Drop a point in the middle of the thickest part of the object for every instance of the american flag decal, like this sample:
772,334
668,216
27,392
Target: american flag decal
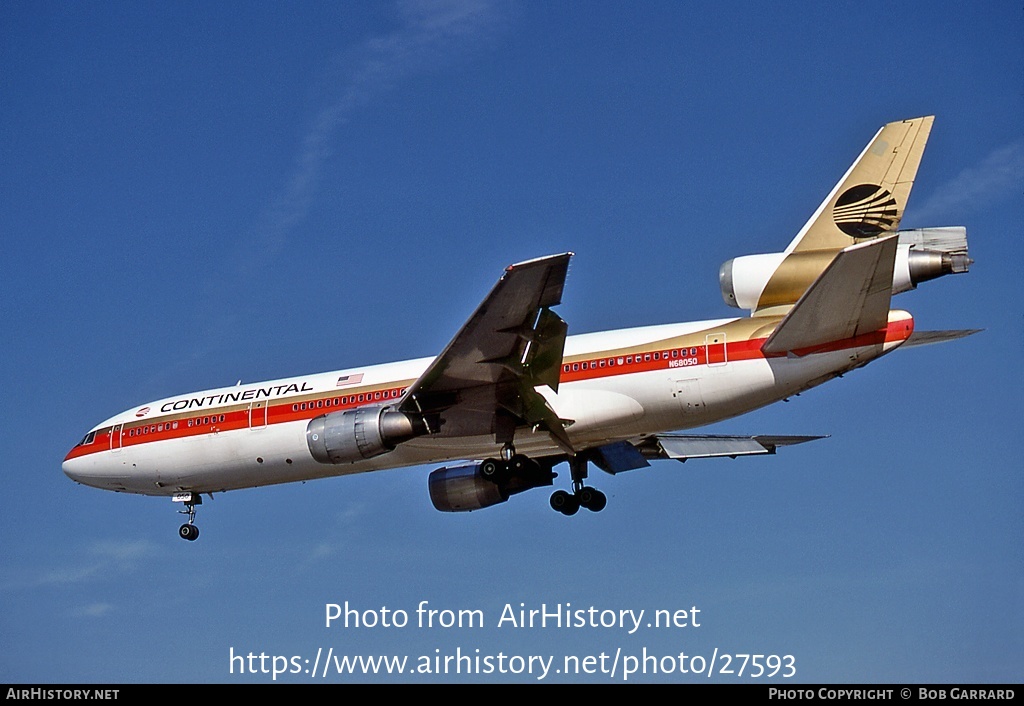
349,380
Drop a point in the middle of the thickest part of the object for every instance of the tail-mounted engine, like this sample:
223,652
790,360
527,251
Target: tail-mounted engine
480,485
361,433
774,279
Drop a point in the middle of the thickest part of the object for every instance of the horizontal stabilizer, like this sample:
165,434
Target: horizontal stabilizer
851,297
682,446
924,338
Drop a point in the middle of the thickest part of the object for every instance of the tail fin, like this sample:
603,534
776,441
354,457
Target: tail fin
869,200
866,204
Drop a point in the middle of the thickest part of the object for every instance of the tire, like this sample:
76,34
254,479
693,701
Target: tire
564,503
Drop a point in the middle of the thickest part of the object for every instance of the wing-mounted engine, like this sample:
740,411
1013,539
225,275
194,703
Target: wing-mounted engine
479,485
358,434
760,282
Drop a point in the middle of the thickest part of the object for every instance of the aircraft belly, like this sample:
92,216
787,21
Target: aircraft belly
591,409
744,386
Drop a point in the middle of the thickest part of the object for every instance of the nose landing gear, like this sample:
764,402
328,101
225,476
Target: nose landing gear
188,531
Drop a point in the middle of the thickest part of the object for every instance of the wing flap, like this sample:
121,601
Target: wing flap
686,446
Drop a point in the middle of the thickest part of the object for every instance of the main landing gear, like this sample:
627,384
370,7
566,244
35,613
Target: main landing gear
511,469
189,531
582,495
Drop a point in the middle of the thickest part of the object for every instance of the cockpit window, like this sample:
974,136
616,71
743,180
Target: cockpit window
88,439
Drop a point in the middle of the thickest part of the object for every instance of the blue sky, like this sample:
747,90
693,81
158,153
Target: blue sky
196,193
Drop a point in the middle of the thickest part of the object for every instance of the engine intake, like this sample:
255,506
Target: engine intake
361,433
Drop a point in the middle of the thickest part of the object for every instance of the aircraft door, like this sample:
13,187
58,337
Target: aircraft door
258,415
714,345
115,438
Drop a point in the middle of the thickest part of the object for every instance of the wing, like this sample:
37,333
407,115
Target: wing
624,456
484,381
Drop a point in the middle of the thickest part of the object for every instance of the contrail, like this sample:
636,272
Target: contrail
431,35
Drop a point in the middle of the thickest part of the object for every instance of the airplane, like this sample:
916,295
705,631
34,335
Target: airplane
512,395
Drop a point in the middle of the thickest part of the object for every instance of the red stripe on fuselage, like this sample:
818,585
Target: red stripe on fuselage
233,417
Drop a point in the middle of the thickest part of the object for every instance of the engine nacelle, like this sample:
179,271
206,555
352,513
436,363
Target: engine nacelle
464,488
742,279
927,253
775,279
359,434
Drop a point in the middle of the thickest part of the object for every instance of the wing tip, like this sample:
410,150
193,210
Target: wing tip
543,260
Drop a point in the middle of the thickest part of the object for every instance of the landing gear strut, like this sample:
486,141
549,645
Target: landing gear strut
189,531
509,465
582,495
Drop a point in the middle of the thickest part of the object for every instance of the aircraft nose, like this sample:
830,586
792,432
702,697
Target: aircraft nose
73,470
86,470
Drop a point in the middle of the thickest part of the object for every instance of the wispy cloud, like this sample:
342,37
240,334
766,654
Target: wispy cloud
428,35
94,610
995,177
431,34
352,513
103,558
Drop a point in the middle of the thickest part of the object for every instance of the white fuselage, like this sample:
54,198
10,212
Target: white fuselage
616,385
